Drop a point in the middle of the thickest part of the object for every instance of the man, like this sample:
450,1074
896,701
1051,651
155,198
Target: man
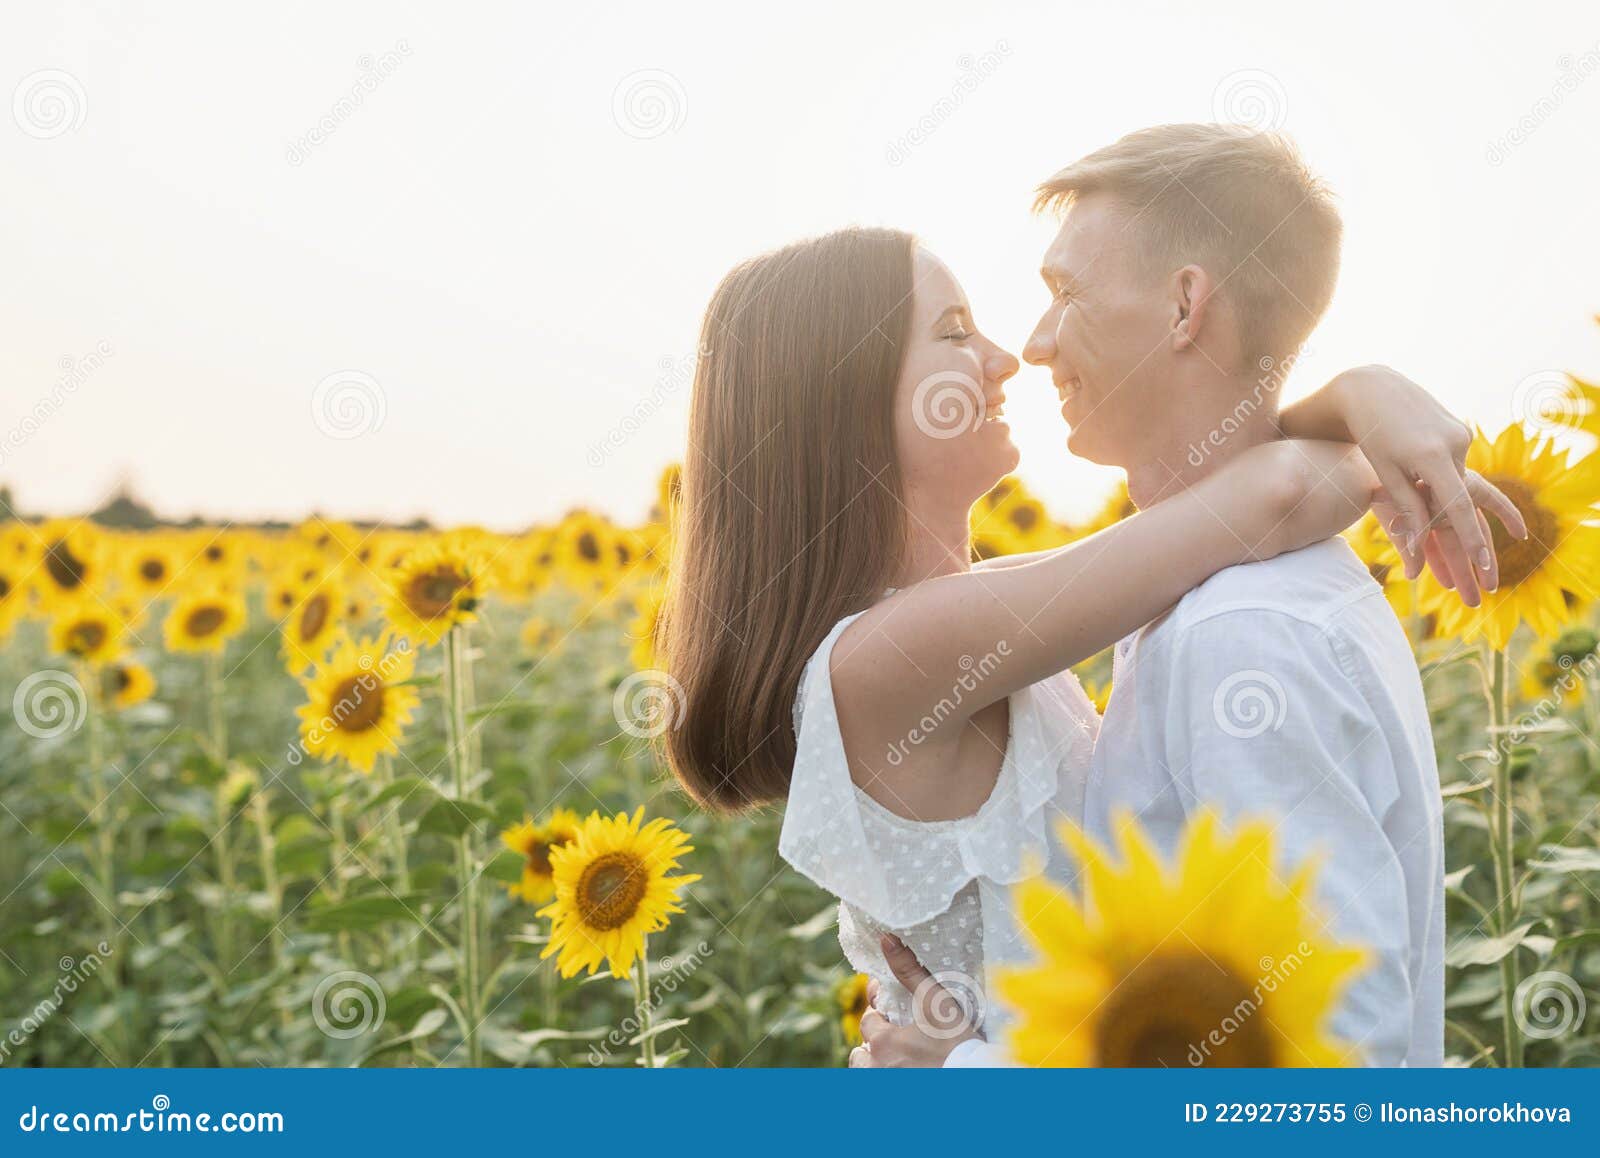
1191,264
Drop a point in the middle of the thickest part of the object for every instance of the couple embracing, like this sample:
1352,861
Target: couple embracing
824,603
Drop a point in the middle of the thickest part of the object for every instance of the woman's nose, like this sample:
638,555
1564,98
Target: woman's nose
1000,365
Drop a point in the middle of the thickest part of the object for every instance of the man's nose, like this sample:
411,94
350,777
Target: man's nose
1041,347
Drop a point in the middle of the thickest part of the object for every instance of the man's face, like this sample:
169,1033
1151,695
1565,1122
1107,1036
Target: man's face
1106,335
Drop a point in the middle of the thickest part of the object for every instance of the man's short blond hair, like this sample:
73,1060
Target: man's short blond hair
1240,203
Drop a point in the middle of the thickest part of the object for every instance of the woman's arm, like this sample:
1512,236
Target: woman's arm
1419,450
913,651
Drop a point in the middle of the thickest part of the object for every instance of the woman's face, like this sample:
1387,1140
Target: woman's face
951,439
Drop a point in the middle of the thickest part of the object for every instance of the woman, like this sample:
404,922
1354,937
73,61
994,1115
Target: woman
836,649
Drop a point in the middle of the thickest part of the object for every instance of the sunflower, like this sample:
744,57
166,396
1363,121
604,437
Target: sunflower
89,630
309,626
612,889
215,558
149,563
1539,574
355,707
585,551
540,636
13,595
127,683
1118,506
436,587
534,842
646,629
71,560
1099,694
1372,546
669,493
851,994
1217,964
204,620
1561,666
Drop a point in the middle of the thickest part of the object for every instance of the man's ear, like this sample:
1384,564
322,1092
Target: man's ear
1191,289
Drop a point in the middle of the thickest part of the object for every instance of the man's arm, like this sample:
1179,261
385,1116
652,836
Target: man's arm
1262,721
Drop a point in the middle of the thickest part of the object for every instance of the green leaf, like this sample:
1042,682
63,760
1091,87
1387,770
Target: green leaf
1558,858
1486,950
815,927
657,1030
402,788
505,866
364,912
453,817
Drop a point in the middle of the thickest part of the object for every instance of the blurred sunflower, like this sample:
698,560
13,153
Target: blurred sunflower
1118,506
308,628
1153,964
585,552
612,889
669,493
645,629
1559,557
533,842
1372,546
71,556
13,595
435,588
1099,694
149,564
89,630
126,683
1561,666
204,620
216,558
355,708
539,635
851,994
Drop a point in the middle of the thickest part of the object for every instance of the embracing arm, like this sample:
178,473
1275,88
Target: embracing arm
1042,617
1419,450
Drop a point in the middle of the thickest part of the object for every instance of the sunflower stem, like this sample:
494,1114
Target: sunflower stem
641,1001
1503,840
217,730
460,758
104,845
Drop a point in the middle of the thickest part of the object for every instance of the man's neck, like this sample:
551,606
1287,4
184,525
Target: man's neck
1189,452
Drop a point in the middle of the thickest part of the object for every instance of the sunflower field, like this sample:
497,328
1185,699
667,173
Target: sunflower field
359,795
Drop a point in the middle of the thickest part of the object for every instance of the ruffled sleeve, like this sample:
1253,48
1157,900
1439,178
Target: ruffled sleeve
901,872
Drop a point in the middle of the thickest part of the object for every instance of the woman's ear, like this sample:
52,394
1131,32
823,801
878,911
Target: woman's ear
1191,296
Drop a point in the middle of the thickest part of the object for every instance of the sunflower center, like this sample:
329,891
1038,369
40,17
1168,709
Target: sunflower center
1024,518
213,553
64,567
1520,558
203,621
86,637
432,593
589,547
1170,1005
5,587
120,679
539,857
358,704
313,616
610,889
152,570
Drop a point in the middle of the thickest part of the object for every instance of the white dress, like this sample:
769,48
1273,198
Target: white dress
943,887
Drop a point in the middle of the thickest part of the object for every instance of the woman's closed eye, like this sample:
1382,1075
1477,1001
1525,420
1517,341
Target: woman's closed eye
956,336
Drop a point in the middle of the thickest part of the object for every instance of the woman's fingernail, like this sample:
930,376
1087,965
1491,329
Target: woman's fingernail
1485,559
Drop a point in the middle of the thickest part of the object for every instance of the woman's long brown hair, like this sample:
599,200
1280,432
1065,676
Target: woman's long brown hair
791,514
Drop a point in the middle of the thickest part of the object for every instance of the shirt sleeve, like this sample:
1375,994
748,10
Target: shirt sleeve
975,1053
1265,720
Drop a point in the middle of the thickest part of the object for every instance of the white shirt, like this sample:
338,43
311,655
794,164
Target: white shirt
1286,689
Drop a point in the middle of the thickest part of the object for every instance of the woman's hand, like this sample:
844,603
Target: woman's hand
1430,502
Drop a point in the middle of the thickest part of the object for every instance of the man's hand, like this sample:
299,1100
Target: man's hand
939,1018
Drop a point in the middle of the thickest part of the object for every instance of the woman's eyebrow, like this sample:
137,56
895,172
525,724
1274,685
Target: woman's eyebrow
954,308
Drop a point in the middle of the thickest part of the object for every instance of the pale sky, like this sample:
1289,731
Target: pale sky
494,252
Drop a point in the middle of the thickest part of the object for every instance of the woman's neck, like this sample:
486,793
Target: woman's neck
934,548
